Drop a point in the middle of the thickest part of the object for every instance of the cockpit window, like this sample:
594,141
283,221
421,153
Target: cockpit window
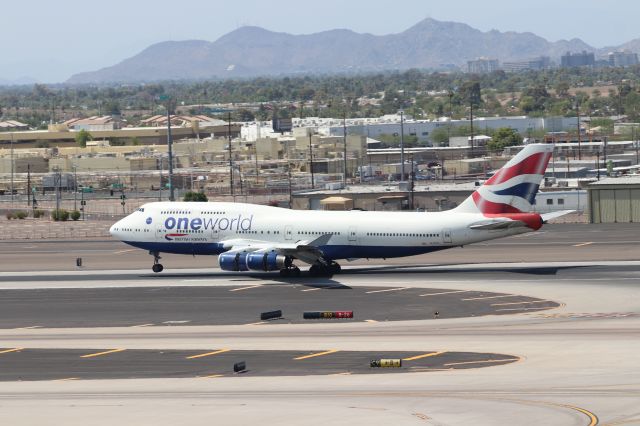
141,210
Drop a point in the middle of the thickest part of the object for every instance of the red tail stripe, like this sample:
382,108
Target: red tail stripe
489,207
535,164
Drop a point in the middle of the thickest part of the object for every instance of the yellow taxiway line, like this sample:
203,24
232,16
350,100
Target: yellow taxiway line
208,354
112,351
315,355
428,354
6,351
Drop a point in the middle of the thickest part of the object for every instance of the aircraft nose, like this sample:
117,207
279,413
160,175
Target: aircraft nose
114,229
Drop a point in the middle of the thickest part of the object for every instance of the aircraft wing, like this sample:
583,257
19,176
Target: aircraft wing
307,251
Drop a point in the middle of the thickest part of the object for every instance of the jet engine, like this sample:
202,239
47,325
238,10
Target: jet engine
233,261
267,261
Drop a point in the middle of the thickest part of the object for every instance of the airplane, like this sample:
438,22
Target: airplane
249,237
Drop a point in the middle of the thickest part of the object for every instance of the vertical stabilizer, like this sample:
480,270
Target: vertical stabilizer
514,187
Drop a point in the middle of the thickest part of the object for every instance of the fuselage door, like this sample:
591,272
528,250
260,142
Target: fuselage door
446,235
159,232
352,235
288,232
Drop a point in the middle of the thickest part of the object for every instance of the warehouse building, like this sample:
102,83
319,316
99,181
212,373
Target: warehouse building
615,200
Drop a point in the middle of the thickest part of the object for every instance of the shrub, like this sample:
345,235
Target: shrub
20,214
38,213
10,215
75,215
195,196
60,215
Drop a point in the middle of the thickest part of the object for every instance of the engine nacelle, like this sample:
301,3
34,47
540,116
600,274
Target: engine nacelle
267,261
233,261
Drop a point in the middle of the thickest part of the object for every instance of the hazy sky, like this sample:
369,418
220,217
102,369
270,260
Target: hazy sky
51,40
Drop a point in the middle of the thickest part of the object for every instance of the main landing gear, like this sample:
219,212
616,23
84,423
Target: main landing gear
157,266
290,271
324,269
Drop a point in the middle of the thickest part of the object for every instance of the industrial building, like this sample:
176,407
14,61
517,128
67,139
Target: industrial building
623,58
582,59
615,200
483,65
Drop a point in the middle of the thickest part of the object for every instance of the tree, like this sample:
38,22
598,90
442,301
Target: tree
470,93
82,137
504,137
440,136
195,196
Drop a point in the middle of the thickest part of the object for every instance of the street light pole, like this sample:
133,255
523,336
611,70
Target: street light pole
311,161
230,156
401,146
170,144
579,139
75,187
12,169
344,148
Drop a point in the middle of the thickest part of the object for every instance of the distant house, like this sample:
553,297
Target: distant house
182,121
12,126
105,122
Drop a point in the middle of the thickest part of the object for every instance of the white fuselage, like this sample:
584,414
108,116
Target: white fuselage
203,228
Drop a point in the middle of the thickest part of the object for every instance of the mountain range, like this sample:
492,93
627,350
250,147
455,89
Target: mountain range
254,51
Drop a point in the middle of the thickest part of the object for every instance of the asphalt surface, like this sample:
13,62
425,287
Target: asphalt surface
554,242
227,305
577,362
92,364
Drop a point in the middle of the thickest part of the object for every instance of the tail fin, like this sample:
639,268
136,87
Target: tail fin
514,187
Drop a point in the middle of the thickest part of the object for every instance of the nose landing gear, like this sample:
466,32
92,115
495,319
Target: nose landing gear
157,266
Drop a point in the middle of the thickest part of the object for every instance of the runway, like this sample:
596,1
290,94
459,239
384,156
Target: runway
554,242
572,360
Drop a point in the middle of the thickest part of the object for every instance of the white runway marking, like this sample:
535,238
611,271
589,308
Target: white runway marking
583,244
445,292
389,289
520,303
246,288
490,297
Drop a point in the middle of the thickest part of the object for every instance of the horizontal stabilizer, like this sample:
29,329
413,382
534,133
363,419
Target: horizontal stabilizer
549,216
498,224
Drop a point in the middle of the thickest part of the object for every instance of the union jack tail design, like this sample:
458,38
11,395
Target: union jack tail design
514,187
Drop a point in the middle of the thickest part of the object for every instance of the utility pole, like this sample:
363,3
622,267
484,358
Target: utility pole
471,107
12,169
401,146
598,164
579,141
289,179
344,151
75,187
161,170
28,185
172,195
230,156
450,115
311,160
57,187
412,183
